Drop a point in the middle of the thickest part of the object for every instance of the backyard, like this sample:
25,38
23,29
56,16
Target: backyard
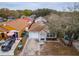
57,48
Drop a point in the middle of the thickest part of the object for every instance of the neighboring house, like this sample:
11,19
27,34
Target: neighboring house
18,25
4,30
1,19
33,17
11,18
40,20
13,28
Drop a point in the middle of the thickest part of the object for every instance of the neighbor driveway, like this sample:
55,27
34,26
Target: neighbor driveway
11,52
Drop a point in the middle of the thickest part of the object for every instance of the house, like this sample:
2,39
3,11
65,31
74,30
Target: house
39,29
11,18
36,32
4,30
33,17
18,26
1,19
41,20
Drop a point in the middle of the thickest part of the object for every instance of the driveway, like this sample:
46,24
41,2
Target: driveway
31,48
11,52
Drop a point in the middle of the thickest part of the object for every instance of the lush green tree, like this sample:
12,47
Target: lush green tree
4,12
27,12
43,12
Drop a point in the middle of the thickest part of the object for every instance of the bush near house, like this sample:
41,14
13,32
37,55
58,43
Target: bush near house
19,50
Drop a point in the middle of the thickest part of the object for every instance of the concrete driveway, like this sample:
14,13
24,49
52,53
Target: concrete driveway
11,52
31,48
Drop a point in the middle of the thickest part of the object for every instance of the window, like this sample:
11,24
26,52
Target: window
51,35
42,38
47,35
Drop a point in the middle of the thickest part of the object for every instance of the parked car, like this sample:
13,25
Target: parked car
7,45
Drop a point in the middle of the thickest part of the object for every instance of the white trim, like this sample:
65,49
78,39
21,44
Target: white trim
26,29
14,31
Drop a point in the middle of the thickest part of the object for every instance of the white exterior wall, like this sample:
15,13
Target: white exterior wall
33,35
43,34
37,35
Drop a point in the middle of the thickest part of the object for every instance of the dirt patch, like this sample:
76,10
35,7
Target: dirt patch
57,48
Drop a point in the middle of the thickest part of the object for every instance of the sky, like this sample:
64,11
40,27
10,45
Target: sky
35,5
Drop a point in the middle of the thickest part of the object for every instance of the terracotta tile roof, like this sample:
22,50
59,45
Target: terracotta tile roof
18,24
36,27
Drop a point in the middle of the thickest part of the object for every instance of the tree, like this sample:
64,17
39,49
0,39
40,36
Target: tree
43,12
27,12
4,12
73,25
14,13
20,13
56,24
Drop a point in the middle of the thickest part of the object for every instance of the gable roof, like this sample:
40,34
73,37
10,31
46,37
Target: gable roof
21,24
18,24
36,27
